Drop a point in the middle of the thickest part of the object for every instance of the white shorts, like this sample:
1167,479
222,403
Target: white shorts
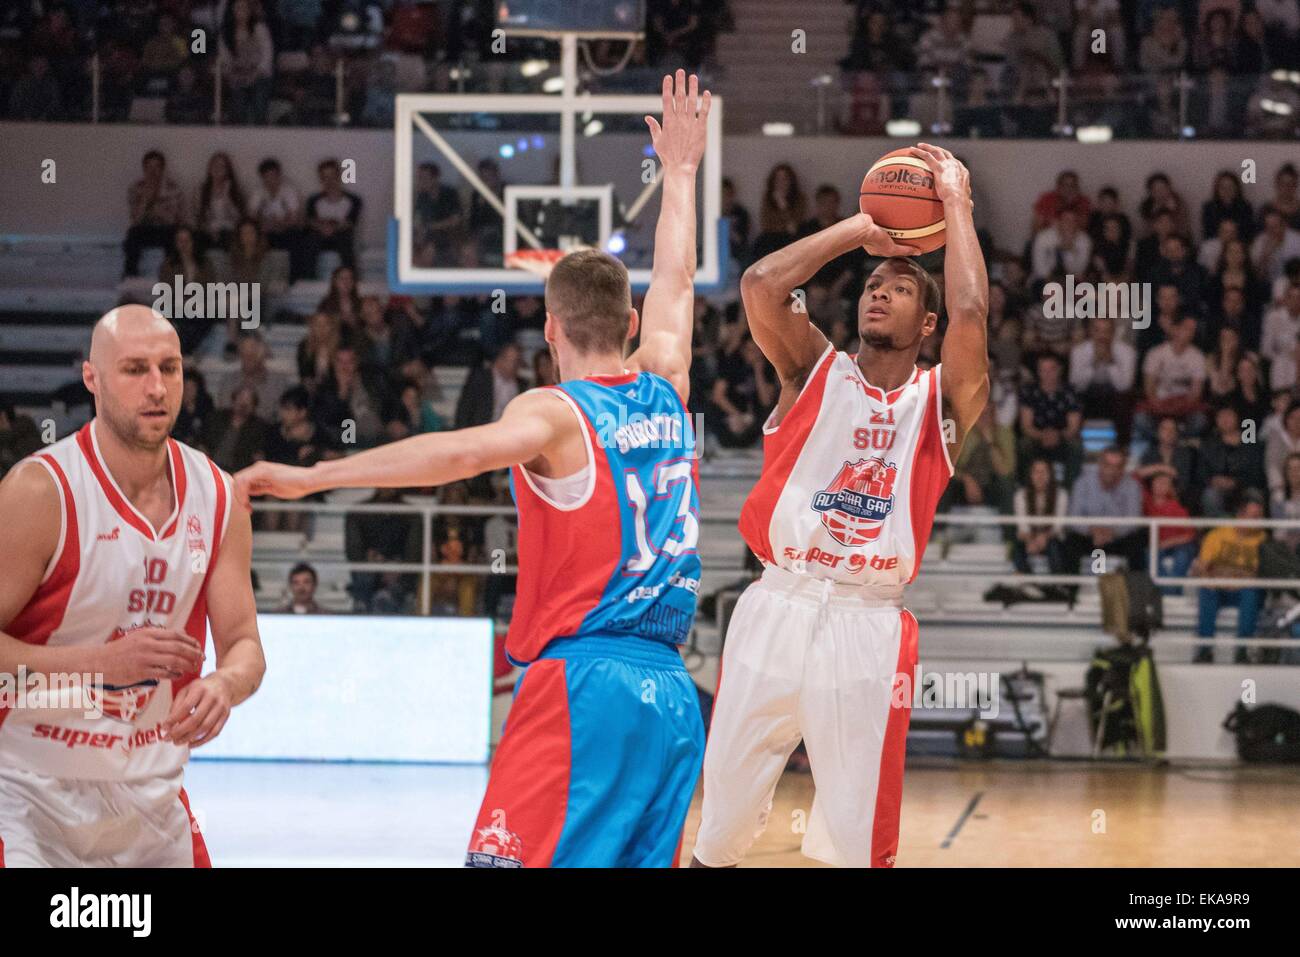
812,659
57,822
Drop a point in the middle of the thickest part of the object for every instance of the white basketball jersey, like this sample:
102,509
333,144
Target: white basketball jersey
851,478
112,573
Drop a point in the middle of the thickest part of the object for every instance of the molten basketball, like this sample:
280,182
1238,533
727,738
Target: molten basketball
898,193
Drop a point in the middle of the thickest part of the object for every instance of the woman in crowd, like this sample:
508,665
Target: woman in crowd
343,301
1221,364
1228,202
784,209
1162,197
186,263
221,204
1176,544
316,350
1168,454
1040,497
248,56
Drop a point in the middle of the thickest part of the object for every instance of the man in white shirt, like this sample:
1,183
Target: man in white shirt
276,206
1062,246
1282,326
1173,377
1275,244
331,220
1102,371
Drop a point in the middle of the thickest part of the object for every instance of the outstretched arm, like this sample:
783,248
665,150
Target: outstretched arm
531,425
778,321
668,312
965,353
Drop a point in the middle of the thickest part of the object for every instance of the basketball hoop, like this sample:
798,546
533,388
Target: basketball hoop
539,262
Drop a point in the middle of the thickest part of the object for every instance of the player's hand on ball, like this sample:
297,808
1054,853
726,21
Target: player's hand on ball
680,140
270,478
199,712
877,241
148,654
951,177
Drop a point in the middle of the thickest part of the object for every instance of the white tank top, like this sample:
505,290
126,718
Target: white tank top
851,478
111,573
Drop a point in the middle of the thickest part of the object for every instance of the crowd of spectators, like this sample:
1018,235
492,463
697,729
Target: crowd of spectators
1005,84
282,61
1194,398
325,62
224,231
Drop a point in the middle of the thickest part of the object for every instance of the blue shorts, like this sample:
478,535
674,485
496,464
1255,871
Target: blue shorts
598,761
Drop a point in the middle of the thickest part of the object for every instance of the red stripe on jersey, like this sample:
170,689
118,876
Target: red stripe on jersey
124,511
2,852
620,378
566,558
201,858
930,472
528,790
889,786
179,483
196,624
780,453
44,610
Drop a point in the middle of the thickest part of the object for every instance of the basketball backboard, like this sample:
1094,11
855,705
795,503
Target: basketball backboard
540,171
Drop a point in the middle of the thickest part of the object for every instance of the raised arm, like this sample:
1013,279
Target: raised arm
668,311
777,320
965,352
534,425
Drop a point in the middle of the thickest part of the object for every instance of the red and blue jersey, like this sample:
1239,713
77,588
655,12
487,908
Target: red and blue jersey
620,561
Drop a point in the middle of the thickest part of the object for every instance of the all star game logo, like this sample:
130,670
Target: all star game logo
857,500
125,702
495,847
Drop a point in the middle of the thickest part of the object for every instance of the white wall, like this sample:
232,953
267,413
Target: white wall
412,689
96,164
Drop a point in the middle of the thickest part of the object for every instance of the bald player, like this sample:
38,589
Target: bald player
116,538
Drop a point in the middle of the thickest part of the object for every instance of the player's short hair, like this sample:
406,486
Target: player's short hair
268,165
931,295
589,294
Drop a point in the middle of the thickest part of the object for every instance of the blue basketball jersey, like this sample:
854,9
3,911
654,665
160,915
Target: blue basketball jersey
623,560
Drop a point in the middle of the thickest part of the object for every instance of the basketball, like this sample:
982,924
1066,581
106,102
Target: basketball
898,193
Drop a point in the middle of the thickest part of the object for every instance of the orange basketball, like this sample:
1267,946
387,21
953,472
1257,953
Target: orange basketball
898,193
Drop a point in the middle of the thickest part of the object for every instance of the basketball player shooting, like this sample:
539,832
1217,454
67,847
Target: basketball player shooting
118,542
602,750
856,455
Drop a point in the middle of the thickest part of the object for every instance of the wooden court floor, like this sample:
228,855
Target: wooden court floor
1065,814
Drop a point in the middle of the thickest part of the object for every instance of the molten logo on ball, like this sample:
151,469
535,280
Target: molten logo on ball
857,500
901,176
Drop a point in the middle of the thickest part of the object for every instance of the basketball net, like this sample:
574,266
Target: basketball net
539,262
